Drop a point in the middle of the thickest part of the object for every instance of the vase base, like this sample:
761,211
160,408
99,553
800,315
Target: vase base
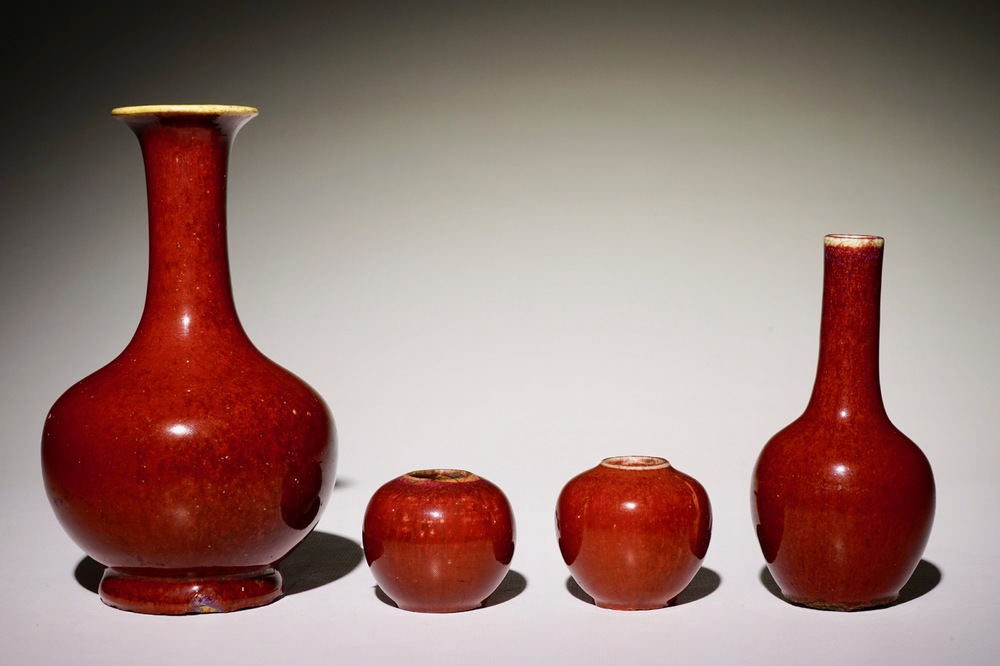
183,595
820,604
634,606
460,608
630,607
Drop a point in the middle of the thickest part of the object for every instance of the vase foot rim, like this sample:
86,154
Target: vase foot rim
184,595
636,605
822,604
630,607
442,609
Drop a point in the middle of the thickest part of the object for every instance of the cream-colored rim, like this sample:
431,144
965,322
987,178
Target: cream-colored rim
852,240
185,109
635,462
442,475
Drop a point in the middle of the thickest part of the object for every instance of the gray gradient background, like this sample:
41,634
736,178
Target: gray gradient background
517,239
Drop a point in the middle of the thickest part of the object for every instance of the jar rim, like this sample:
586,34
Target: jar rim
638,463
441,475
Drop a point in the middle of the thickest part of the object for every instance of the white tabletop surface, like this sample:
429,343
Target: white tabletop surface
517,241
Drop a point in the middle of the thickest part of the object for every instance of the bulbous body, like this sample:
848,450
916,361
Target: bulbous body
438,541
633,531
842,501
191,463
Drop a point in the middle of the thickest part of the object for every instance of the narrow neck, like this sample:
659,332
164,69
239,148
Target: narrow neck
186,153
847,379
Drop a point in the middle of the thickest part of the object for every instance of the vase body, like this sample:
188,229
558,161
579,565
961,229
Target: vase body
191,464
633,531
438,540
842,501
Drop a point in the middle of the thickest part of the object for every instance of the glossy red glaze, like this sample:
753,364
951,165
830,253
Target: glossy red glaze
191,463
842,501
438,541
633,531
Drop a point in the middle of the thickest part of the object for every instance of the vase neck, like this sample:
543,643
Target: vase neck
847,378
186,155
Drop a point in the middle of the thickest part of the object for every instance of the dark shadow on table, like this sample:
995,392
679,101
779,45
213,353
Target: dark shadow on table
88,574
512,585
704,583
321,558
925,578
343,482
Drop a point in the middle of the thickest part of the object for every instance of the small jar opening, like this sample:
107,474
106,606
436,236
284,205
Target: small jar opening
635,462
442,475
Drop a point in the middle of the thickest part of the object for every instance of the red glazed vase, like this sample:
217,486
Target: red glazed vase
191,463
633,531
438,540
842,501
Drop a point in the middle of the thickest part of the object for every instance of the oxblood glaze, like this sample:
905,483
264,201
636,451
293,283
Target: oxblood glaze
842,501
191,463
438,541
633,531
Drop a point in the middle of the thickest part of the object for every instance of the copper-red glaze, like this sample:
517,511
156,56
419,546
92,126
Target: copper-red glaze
191,463
633,531
438,541
842,501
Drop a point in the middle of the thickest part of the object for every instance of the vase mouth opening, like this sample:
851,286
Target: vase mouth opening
184,110
852,240
635,462
442,476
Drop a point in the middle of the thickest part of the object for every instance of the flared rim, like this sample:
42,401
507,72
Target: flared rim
636,462
185,110
852,240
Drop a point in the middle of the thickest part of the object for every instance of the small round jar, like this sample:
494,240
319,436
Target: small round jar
633,531
438,540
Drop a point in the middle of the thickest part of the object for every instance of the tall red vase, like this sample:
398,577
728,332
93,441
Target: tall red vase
842,501
190,464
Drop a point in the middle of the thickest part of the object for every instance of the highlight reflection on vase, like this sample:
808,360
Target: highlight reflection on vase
191,463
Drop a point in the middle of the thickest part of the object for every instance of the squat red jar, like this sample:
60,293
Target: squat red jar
633,531
438,540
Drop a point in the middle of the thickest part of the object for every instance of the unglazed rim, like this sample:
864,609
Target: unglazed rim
441,476
852,240
636,462
185,110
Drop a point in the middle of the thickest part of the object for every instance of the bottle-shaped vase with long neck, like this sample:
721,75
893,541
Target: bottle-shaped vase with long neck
842,501
191,464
